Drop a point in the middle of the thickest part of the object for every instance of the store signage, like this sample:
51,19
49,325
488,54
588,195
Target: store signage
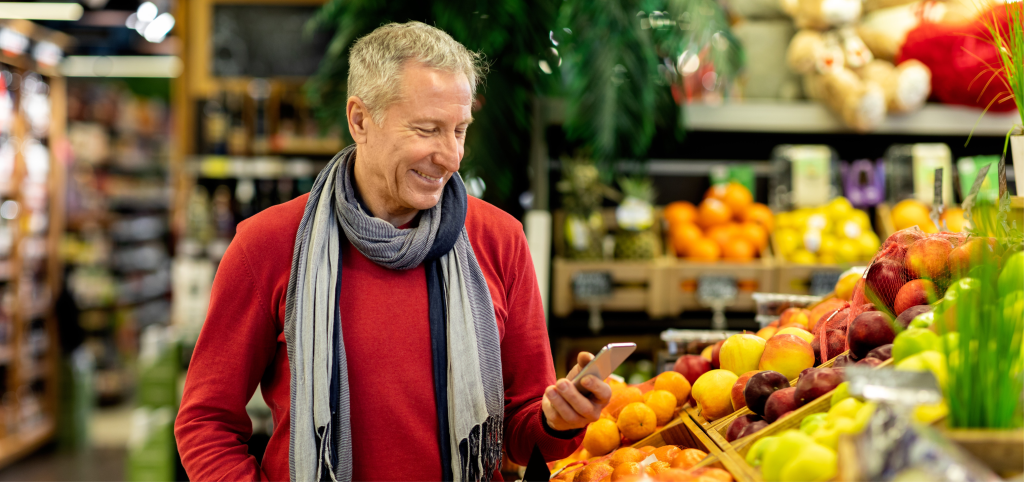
823,282
716,288
592,285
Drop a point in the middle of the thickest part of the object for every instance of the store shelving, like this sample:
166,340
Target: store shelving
32,147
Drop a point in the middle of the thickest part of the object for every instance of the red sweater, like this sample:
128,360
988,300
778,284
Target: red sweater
387,345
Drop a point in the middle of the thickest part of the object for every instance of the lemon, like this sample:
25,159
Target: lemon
783,220
812,240
802,256
847,251
799,219
788,240
869,244
861,218
828,244
827,258
817,221
839,208
849,228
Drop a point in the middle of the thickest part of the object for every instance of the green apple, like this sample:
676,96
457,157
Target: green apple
790,443
815,463
811,422
756,452
863,416
929,360
913,341
845,409
841,392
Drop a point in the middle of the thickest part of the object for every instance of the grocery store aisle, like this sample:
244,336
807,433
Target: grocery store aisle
104,461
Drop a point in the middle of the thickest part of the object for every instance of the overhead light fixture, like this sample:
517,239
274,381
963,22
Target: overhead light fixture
158,29
151,26
40,11
159,66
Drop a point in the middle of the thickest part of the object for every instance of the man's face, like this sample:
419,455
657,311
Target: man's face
420,144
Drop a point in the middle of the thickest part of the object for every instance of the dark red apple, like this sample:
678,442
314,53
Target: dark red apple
692,367
909,314
871,362
915,292
868,307
760,386
885,278
842,361
738,424
868,331
883,353
714,354
836,345
816,383
751,429
780,403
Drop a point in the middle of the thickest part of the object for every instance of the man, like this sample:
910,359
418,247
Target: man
394,324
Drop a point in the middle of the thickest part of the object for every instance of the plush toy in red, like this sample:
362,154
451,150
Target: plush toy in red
958,57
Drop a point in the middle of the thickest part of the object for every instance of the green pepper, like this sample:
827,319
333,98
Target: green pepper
811,422
913,341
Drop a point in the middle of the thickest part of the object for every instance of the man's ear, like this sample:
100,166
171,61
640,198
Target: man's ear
358,119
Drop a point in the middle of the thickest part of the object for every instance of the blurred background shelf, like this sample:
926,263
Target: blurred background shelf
14,447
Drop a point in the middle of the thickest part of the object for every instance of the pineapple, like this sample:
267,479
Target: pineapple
582,195
635,238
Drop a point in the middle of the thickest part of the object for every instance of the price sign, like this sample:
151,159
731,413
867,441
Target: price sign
823,282
906,387
716,288
592,285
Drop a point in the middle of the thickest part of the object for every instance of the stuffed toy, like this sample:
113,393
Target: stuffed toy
842,72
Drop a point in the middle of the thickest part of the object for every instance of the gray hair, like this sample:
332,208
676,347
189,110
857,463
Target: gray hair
376,62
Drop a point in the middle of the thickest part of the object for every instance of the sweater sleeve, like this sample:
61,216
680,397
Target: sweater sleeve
528,369
235,346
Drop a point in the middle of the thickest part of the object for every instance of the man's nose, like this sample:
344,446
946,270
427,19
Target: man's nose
449,156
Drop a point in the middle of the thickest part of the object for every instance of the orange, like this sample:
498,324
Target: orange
760,214
714,473
624,397
656,468
663,403
688,458
911,212
676,475
602,437
674,383
722,233
648,449
626,471
637,421
683,235
738,250
733,194
625,455
594,473
667,453
680,212
713,212
755,234
704,250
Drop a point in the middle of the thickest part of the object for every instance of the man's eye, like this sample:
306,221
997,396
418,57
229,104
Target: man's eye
426,131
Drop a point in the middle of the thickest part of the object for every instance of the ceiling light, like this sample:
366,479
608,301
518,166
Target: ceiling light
158,29
164,66
147,12
41,11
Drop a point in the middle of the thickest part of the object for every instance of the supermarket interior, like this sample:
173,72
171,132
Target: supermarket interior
786,228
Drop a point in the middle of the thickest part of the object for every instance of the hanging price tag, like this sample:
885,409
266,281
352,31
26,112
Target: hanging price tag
937,201
592,285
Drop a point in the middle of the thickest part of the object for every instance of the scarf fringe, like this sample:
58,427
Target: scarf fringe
480,454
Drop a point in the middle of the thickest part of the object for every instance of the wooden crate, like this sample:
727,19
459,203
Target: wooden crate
1000,450
795,279
718,431
638,285
685,433
681,282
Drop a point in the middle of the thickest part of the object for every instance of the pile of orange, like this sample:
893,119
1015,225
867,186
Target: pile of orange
627,464
727,225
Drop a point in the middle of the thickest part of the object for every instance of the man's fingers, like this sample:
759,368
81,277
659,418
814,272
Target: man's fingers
600,391
581,361
580,404
564,410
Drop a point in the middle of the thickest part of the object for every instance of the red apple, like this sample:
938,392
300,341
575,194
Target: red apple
787,354
836,345
738,424
868,331
929,258
692,367
909,314
883,353
971,254
752,428
816,383
760,386
780,403
715,362
738,401
799,316
885,278
915,292
871,362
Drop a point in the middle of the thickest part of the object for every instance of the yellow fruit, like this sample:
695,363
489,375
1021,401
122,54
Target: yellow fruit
839,208
911,212
713,393
802,256
869,243
844,288
861,218
637,421
602,437
706,352
827,258
784,221
828,244
847,251
675,383
954,218
663,403
788,240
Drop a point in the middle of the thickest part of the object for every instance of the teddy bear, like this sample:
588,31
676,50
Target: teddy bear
839,69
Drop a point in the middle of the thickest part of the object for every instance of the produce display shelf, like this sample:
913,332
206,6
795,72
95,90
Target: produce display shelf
807,117
16,446
686,434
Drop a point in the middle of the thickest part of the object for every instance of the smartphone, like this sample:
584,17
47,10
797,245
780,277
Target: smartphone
606,361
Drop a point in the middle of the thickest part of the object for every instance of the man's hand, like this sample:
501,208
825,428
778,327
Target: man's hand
566,408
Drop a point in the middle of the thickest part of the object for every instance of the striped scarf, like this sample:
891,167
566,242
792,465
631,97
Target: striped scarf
465,348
